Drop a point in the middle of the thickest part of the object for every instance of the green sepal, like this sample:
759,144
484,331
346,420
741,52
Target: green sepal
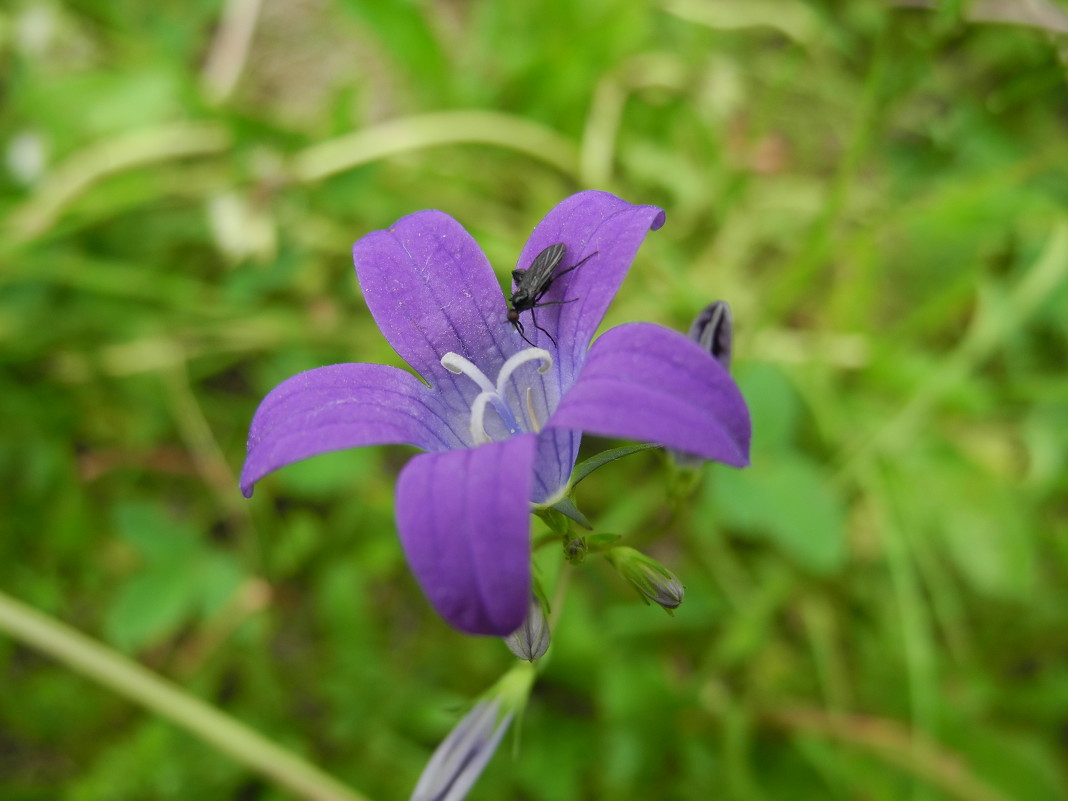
566,507
577,548
599,543
584,468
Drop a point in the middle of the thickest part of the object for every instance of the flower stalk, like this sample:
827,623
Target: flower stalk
141,686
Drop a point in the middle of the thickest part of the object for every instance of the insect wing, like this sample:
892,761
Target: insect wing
539,275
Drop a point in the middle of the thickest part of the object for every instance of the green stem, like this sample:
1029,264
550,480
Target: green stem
435,129
142,686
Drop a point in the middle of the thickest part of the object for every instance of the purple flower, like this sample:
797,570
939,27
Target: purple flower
501,421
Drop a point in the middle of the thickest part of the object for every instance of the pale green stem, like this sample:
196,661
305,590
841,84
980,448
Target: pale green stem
912,751
75,176
421,131
230,48
140,685
792,19
122,152
646,71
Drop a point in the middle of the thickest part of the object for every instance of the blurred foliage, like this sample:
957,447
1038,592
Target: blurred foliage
877,609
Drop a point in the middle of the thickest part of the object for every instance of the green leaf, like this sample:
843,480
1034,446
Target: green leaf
218,578
790,502
773,404
151,605
155,537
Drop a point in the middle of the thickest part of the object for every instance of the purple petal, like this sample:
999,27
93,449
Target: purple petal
587,222
464,522
557,450
342,406
431,290
645,382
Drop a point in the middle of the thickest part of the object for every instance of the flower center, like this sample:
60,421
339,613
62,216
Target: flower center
493,394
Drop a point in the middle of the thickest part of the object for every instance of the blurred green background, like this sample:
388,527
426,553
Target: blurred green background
876,609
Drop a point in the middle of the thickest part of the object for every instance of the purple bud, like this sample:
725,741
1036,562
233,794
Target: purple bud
463,754
531,640
713,330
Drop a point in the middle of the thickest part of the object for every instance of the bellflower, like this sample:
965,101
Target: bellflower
500,421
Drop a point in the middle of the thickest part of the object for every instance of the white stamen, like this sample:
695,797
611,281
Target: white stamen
455,363
524,356
478,418
495,395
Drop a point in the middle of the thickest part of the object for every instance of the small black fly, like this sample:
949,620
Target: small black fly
532,283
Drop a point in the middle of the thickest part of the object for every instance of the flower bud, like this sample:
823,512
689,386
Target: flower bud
713,330
460,759
575,550
531,640
651,579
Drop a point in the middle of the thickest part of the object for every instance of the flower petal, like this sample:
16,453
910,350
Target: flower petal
553,463
463,518
588,222
645,382
431,290
342,406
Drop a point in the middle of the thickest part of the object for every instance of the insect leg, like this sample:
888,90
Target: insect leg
534,320
518,326
555,303
575,266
